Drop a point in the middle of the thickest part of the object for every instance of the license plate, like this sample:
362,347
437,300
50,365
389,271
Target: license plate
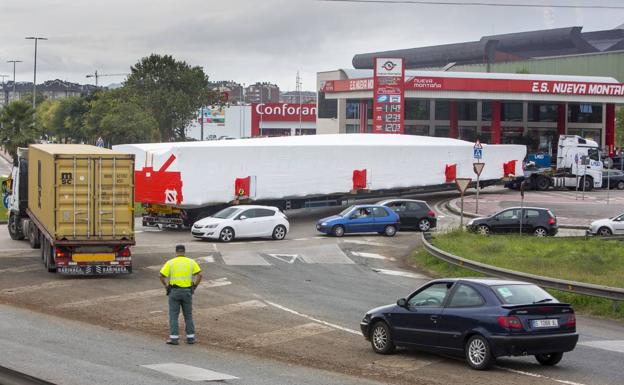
545,323
93,257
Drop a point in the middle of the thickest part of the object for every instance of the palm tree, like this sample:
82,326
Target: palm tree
17,126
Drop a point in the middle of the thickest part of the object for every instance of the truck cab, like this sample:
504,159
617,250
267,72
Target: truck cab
580,158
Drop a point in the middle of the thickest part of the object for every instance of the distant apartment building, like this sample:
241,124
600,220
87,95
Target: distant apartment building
232,91
293,97
51,89
262,92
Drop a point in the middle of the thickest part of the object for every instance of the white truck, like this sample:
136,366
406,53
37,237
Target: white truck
304,171
578,166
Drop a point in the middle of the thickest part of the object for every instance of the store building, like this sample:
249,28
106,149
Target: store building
492,107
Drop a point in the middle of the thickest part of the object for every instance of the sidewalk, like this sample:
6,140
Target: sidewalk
569,207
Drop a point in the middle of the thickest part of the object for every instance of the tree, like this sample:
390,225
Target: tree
171,91
115,117
18,128
69,119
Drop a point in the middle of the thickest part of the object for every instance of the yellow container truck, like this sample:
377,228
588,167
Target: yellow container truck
76,203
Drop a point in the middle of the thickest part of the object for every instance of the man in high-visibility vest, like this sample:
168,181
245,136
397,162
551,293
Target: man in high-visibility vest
180,276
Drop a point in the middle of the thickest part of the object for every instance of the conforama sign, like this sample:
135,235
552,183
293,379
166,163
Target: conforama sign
280,112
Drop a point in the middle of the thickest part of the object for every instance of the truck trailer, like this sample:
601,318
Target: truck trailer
76,204
199,178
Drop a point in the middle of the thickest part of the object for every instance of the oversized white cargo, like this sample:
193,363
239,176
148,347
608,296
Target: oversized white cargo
203,173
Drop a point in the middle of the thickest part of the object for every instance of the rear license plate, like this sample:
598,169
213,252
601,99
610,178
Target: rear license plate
93,257
545,323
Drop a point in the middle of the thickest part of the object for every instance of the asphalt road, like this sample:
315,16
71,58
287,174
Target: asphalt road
5,167
295,301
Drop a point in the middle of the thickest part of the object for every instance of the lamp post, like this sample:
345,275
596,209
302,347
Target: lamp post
36,39
14,62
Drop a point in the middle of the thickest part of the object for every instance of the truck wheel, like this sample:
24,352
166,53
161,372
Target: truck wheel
34,236
50,265
588,183
15,231
542,183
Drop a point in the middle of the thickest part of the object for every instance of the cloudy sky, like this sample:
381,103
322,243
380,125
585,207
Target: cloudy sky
250,40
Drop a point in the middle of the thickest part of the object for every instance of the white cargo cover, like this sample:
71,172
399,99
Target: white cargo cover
302,166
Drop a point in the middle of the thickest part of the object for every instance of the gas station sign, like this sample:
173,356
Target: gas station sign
388,96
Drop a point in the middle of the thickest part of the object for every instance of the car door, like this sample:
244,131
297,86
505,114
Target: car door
507,221
360,220
265,222
532,219
417,324
460,314
245,225
618,225
382,218
417,211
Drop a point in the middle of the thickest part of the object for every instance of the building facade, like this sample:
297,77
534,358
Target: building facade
51,89
262,92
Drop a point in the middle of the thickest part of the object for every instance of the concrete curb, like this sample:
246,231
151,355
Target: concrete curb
456,210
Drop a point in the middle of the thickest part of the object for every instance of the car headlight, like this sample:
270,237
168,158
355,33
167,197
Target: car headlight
323,223
210,226
470,222
366,318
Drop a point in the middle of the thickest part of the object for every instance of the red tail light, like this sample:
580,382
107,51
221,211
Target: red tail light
125,252
61,254
431,213
571,322
552,221
510,322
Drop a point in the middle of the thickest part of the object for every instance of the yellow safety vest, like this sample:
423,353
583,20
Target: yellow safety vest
180,271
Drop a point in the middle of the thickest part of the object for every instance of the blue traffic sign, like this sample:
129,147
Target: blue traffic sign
477,153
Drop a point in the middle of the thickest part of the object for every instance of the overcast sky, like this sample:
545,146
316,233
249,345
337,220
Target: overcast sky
251,40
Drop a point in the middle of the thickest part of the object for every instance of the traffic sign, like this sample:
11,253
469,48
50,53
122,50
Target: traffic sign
462,184
477,150
478,168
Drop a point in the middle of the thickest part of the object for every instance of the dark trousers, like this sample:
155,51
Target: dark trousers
181,298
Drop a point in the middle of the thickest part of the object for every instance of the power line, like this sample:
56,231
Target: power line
478,4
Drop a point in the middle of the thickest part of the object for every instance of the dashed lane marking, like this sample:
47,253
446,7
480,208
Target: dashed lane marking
31,288
285,335
611,345
535,375
367,255
400,273
141,294
331,325
191,373
231,308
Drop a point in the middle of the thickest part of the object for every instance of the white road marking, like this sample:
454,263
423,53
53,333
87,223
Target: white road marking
612,345
288,258
141,294
368,255
244,259
400,273
300,239
191,373
22,269
231,308
371,243
535,375
331,325
326,254
285,335
31,288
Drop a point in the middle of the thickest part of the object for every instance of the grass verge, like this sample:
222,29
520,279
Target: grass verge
551,257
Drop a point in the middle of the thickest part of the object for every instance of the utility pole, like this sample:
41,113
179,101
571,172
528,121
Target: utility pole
36,39
298,86
14,61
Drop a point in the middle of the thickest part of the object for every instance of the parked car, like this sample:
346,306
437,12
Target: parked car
613,179
245,221
480,319
361,219
413,214
608,226
535,220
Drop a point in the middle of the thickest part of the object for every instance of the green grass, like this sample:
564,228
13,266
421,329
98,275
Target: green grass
591,260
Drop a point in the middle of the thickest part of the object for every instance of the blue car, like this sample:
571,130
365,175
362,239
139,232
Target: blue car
480,319
361,219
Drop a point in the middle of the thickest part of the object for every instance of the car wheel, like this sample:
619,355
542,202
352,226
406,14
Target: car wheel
478,353
226,235
604,232
483,229
540,232
424,225
620,185
549,359
381,340
279,232
390,231
338,231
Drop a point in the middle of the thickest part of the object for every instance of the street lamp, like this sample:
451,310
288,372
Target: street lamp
36,39
14,61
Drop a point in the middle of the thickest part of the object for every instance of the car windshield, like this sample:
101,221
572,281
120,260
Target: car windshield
226,213
346,211
516,294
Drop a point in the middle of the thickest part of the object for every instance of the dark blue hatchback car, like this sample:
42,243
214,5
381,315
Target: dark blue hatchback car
361,219
480,319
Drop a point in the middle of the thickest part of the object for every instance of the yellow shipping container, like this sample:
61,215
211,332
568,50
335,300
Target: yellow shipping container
81,193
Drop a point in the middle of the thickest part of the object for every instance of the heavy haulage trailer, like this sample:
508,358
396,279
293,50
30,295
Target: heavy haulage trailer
75,203
192,180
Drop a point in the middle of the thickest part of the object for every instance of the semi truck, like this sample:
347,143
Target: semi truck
180,183
75,203
578,165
